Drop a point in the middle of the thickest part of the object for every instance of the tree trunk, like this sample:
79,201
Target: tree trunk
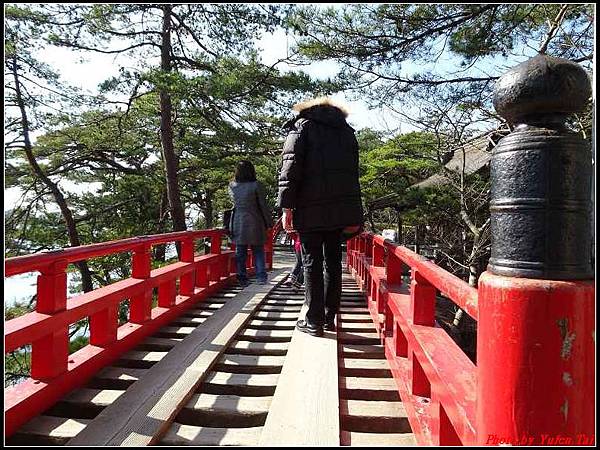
86,277
166,131
208,209
160,250
474,272
399,217
370,219
417,239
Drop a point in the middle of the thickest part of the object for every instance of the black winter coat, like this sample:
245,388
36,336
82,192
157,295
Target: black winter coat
319,174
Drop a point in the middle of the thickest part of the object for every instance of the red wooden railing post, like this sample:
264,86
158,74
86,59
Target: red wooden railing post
422,300
140,306
393,269
378,254
378,261
202,275
350,250
167,292
104,325
422,305
215,243
349,244
269,250
215,270
49,354
363,267
536,334
187,281
232,262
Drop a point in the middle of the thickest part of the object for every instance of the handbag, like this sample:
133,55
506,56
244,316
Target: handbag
228,219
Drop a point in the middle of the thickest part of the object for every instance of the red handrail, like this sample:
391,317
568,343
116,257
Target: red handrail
38,261
451,286
53,371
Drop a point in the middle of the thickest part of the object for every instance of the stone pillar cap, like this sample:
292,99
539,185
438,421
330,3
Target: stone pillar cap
542,85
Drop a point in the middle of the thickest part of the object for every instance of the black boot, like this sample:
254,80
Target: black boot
305,327
329,326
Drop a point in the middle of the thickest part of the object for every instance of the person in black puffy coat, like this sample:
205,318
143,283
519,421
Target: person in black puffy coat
319,193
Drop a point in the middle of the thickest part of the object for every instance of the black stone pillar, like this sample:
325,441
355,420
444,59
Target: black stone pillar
541,174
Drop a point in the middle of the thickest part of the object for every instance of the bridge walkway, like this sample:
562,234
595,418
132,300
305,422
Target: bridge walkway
233,370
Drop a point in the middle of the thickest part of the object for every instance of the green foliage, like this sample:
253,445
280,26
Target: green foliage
390,167
227,106
407,56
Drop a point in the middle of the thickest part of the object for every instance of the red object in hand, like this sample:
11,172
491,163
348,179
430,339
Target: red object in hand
288,220
296,238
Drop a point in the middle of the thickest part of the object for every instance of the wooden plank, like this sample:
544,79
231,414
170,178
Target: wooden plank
235,379
160,343
275,302
356,310
375,384
143,355
189,321
145,411
223,295
251,360
357,326
349,317
247,347
378,439
216,300
358,303
204,306
176,330
273,324
229,404
362,351
357,363
266,333
305,406
276,315
97,397
58,429
372,408
281,308
190,435
120,373
197,313
358,335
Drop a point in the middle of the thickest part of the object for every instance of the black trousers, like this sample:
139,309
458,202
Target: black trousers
322,250
298,270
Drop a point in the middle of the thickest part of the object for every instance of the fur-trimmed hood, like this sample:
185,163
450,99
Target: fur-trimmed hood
321,101
322,109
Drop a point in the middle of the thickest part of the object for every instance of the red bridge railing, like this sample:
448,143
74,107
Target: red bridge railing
441,388
53,371
435,379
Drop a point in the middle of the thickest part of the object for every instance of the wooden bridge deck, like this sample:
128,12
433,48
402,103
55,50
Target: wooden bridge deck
234,371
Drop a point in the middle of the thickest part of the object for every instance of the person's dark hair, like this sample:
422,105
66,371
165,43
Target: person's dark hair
245,172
